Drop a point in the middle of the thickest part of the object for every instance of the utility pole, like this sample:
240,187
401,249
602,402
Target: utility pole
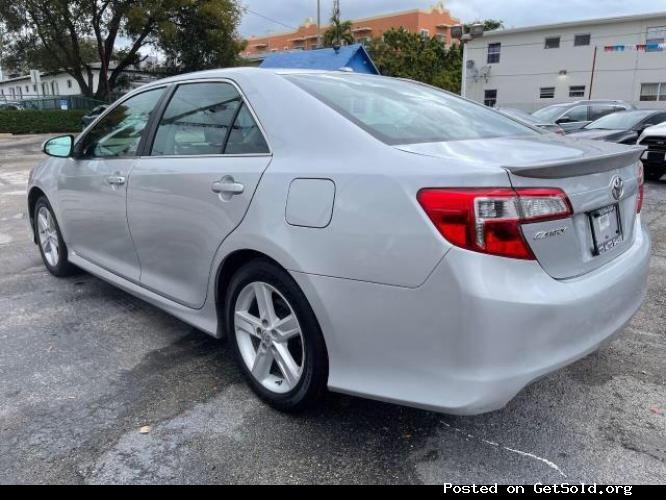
319,24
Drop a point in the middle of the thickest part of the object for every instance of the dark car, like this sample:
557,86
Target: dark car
624,127
11,106
576,115
528,119
94,113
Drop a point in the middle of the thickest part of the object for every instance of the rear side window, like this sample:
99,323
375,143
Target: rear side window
597,111
245,136
197,120
207,119
401,112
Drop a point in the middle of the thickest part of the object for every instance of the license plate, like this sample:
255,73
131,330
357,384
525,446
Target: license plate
606,229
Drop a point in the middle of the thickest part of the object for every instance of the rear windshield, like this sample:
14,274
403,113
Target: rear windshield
401,112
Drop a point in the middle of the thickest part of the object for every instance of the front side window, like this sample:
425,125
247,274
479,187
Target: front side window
402,112
553,42
494,50
656,119
207,119
577,114
119,132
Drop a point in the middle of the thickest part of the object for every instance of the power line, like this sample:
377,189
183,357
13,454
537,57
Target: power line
247,9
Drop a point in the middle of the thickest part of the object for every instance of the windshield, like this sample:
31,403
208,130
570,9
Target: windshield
401,112
624,120
549,114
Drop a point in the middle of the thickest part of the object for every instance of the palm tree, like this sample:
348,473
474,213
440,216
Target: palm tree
339,32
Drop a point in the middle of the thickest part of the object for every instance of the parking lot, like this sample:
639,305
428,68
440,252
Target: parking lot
100,387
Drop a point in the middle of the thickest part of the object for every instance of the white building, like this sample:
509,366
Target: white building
529,68
62,84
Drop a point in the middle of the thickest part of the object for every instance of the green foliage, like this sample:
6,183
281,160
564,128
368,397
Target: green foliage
410,55
75,34
338,33
40,121
201,35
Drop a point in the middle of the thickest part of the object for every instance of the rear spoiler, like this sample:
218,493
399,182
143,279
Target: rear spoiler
578,167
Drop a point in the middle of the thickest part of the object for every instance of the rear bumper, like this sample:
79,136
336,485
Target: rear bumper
476,332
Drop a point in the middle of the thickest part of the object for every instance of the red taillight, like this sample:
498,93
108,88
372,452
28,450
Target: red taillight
641,187
488,220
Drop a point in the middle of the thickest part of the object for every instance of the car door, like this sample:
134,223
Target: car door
92,186
193,186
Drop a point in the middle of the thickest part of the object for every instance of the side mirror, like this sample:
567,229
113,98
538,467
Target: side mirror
60,147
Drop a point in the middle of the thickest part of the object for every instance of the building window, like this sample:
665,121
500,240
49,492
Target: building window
494,50
547,92
425,33
655,36
582,40
69,84
552,42
653,91
34,88
27,89
577,91
490,98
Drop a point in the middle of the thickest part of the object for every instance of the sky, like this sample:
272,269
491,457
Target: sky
291,13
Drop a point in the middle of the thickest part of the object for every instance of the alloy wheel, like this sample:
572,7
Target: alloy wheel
48,236
269,337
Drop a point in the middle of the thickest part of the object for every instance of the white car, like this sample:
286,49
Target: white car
369,235
654,157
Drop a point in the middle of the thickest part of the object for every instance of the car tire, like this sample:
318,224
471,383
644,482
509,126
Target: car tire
49,240
288,377
653,173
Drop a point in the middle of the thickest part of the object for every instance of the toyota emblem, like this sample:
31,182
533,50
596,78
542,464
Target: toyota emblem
617,187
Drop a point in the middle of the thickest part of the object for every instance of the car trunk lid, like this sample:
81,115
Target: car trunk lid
602,225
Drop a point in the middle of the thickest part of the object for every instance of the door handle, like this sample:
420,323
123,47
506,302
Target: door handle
227,186
116,180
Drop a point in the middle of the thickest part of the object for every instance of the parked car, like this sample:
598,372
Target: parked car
90,117
575,115
528,119
11,106
365,234
654,139
624,127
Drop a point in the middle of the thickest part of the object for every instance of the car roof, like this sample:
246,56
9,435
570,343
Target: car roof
250,72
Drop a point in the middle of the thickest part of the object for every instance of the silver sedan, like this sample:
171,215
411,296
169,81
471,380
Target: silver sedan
362,234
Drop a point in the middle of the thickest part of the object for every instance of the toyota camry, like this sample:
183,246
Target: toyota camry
361,234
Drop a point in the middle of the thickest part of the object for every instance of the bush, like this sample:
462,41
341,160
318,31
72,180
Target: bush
42,121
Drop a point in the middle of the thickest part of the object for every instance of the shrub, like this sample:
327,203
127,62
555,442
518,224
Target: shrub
46,121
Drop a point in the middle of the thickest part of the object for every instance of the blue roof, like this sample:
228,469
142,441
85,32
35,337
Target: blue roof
350,56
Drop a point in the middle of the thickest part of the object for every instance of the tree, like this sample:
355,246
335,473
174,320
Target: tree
339,32
74,35
410,55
